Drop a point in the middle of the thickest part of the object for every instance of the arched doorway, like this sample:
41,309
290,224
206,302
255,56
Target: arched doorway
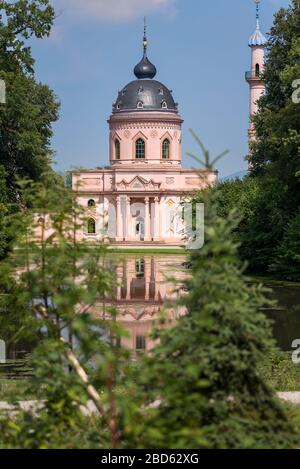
140,228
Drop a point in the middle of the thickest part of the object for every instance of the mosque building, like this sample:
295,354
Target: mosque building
137,199
140,195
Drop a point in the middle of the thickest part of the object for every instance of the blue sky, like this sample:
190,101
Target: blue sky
198,46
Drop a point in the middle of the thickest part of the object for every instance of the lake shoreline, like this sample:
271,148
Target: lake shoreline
274,281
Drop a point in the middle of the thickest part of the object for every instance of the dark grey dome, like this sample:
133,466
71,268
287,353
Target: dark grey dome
145,69
145,95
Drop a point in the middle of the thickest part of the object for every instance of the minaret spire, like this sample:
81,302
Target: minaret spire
145,69
145,41
257,13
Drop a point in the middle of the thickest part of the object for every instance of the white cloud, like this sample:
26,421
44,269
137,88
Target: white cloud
112,10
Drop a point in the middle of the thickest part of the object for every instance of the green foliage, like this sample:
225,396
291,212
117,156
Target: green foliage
279,371
30,109
269,237
269,200
204,375
51,287
201,386
14,387
22,20
287,259
25,128
4,209
275,155
239,193
277,125
202,383
262,218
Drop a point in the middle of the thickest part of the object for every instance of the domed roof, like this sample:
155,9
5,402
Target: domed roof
257,38
145,94
145,69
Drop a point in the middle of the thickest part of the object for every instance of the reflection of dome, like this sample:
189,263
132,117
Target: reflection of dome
145,94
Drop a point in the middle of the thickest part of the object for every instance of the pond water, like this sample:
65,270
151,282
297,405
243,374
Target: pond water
144,288
286,316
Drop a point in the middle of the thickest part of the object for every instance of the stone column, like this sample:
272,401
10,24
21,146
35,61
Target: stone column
119,236
147,220
128,220
156,219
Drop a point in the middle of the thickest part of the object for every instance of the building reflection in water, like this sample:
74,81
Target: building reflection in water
144,288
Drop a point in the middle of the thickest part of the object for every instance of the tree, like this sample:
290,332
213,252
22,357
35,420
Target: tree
275,153
31,107
202,382
287,258
51,287
20,20
260,207
25,129
276,150
3,212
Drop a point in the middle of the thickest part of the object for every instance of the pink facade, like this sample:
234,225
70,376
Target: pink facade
138,198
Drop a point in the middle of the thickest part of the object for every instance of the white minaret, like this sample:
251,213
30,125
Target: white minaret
257,43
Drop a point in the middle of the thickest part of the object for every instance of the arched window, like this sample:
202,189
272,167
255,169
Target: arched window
91,226
91,203
166,149
117,149
164,105
257,70
140,149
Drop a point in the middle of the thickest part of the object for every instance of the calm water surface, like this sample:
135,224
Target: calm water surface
144,288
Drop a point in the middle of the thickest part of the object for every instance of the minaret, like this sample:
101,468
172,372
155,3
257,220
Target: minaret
257,43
